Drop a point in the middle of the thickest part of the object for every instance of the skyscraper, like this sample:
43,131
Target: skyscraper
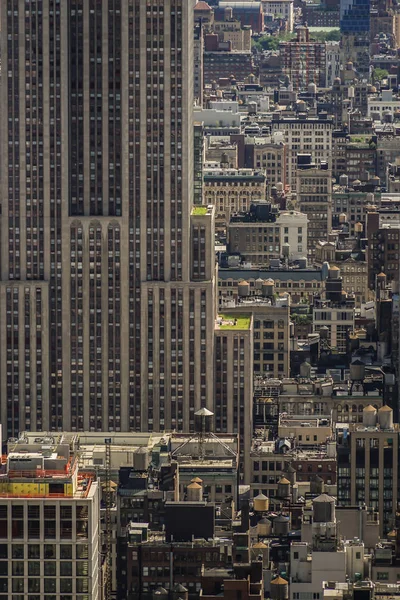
355,22
107,278
355,16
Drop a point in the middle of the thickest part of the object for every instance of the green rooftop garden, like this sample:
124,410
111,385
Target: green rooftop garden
199,211
232,322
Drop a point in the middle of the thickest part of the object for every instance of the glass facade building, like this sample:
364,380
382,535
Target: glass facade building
355,16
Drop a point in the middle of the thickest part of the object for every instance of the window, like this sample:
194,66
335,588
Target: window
82,568
33,551
18,551
34,568
50,585
66,569
65,551
34,585
49,568
65,585
49,551
383,576
18,567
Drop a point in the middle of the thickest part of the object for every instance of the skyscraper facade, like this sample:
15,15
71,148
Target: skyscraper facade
355,16
107,282
355,24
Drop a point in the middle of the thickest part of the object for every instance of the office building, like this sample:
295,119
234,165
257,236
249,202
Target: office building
353,202
368,465
355,17
304,134
271,320
218,64
383,245
360,156
302,284
269,154
49,522
354,271
393,176
230,33
198,51
249,13
233,190
335,312
96,294
233,385
314,198
259,237
280,9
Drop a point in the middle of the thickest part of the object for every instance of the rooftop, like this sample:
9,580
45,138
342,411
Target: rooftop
303,421
279,274
199,211
233,322
44,468
202,6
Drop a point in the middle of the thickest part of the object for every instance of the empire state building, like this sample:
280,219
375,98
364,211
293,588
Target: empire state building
107,291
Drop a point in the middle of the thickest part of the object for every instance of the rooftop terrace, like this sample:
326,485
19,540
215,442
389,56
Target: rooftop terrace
199,211
233,322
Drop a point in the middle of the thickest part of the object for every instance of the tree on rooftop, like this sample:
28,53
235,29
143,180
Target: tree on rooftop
379,74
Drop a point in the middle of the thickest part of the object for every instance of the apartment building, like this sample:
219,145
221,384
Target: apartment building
255,235
49,522
393,176
304,60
